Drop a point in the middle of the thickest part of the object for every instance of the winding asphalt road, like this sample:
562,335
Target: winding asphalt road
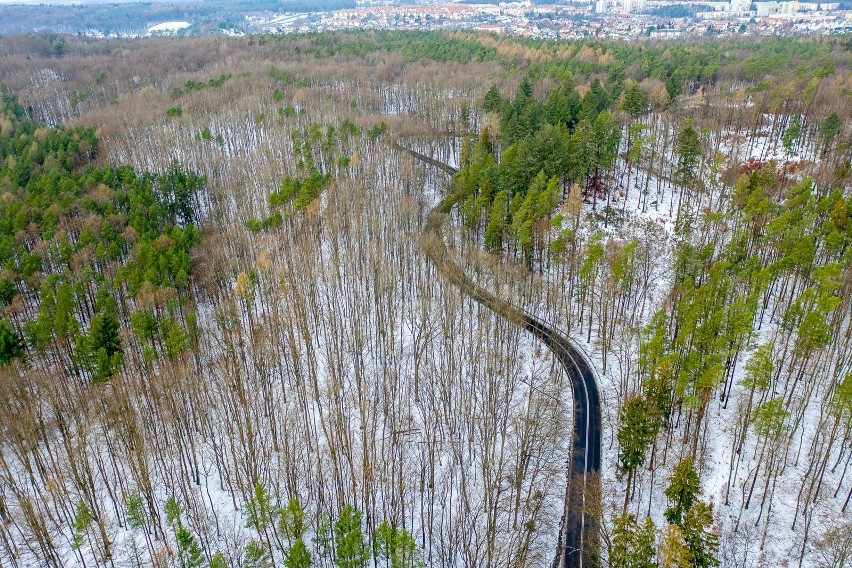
579,543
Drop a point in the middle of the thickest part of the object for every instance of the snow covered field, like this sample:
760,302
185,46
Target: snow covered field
167,28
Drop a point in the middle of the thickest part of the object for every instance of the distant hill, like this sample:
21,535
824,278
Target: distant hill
134,18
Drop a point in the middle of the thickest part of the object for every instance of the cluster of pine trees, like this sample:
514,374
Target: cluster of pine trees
688,539
281,530
754,305
510,187
85,247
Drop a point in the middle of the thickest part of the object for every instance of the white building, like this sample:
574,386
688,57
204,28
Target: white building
666,34
630,6
766,8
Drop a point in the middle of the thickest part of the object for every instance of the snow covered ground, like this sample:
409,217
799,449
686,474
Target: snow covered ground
167,28
382,317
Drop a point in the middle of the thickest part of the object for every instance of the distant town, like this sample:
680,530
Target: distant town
545,19
662,19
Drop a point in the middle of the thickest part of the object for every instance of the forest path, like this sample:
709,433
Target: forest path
579,543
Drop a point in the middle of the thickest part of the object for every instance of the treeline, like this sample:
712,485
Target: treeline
415,47
676,65
779,68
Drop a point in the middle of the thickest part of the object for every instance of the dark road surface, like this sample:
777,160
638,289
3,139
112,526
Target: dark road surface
579,545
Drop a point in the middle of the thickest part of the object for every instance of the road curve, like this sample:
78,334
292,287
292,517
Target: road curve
579,543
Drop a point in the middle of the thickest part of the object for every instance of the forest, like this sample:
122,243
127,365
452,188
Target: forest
225,342
132,19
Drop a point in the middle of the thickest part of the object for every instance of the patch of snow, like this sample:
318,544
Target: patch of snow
167,28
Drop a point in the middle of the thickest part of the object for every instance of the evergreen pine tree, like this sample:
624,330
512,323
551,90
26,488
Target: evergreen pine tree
496,223
635,431
298,555
351,548
395,545
134,510
189,553
688,150
673,551
218,561
703,543
82,520
493,101
682,491
828,130
260,508
792,134
8,291
632,545
11,344
635,100
291,520
256,556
